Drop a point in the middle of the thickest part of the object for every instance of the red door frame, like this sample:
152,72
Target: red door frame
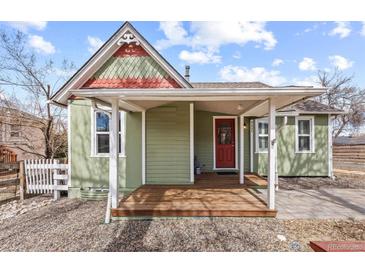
227,152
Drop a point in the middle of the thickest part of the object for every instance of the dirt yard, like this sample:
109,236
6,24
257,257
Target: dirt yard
74,225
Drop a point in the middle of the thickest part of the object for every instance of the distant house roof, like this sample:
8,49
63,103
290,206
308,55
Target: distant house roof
229,85
350,140
311,106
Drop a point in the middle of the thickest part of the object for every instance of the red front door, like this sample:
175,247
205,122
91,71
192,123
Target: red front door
225,143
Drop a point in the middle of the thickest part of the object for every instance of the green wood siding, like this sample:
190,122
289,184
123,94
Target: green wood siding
167,144
88,171
203,146
298,164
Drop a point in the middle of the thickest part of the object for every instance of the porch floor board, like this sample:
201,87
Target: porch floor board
206,198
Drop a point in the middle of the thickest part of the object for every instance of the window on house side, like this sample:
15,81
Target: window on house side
102,132
262,135
304,134
14,131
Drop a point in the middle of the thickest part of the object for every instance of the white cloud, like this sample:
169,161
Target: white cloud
340,62
277,62
342,29
216,34
237,74
94,43
199,57
24,26
40,45
363,29
307,81
208,37
175,35
307,64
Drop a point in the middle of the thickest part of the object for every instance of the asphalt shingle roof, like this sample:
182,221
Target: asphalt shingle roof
229,85
312,106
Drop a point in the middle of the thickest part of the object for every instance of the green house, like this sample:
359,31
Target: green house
134,120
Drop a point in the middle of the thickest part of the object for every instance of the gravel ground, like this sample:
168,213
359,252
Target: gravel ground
341,181
74,225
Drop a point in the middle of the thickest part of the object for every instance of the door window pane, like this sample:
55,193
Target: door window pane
225,134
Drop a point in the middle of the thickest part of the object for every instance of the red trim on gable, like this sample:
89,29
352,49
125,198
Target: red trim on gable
130,50
132,83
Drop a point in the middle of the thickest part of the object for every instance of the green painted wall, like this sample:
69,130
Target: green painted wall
88,171
298,164
167,144
203,146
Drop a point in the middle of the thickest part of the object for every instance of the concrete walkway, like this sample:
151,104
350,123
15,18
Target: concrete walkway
324,203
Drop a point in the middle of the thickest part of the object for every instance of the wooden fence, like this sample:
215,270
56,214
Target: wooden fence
11,178
349,155
7,155
45,176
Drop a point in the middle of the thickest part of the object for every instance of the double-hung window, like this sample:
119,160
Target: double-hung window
262,135
304,127
101,122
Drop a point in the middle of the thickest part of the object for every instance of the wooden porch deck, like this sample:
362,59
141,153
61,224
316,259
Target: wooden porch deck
211,196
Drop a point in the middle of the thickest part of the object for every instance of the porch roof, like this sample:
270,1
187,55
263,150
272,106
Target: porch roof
234,101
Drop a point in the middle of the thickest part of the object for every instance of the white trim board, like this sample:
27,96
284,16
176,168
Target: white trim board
192,142
236,142
69,144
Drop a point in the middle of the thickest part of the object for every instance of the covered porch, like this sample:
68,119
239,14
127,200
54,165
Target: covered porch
211,195
199,194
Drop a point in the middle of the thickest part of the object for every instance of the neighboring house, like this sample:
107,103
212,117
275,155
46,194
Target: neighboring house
166,126
20,133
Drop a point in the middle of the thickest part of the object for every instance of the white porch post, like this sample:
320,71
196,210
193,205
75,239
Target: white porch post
192,142
143,147
242,171
330,147
113,153
272,157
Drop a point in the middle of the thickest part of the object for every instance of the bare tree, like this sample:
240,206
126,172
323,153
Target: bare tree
344,95
31,79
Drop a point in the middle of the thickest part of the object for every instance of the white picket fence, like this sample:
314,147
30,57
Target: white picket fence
45,176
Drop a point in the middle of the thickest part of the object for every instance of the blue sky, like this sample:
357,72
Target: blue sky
278,53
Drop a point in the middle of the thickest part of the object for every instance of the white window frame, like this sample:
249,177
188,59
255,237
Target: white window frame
257,135
311,134
122,133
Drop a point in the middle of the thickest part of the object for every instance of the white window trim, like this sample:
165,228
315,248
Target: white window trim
94,153
236,142
257,121
311,135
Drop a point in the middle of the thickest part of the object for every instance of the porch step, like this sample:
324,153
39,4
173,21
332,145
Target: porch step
126,212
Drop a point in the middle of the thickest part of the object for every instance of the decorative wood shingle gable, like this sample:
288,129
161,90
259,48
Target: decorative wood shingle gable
131,67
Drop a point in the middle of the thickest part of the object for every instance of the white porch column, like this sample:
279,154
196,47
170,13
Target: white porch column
330,147
242,150
113,153
143,147
192,142
272,157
